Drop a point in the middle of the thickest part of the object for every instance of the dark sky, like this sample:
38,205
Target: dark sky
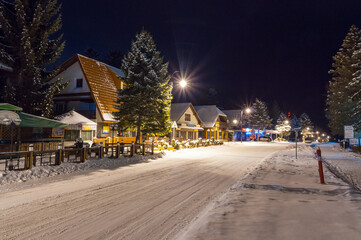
273,50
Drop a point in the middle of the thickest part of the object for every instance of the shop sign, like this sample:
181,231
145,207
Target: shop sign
106,129
87,127
349,132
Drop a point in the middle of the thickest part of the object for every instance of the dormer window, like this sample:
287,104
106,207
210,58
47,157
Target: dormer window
187,117
79,83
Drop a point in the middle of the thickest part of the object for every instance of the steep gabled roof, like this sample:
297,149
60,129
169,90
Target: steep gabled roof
178,109
103,81
209,114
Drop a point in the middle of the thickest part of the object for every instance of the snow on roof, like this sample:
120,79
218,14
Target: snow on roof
177,110
73,117
209,114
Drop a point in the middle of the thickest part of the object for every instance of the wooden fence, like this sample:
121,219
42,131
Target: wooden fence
23,160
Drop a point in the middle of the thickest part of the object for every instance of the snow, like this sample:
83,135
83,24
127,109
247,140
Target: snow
9,177
73,117
283,199
234,191
151,200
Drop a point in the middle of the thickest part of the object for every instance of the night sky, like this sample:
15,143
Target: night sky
273,50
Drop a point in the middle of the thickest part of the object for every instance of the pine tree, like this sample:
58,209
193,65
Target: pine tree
91,53
295,123
283,126
282,117
144,104
340,109
354,87
259,118
114,58
307,126
275,111
30,42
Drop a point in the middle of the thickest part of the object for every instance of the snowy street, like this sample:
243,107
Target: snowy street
283,199
151,200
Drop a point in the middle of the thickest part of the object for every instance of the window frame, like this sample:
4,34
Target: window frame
79,83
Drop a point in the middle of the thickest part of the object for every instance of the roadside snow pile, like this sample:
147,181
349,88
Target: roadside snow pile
343,163
9,177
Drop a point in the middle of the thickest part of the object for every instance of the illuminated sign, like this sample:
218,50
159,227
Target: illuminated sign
106,129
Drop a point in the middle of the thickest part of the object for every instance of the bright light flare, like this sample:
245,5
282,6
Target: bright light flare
248,110
235,121
183,83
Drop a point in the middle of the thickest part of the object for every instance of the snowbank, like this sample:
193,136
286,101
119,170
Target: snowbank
9,177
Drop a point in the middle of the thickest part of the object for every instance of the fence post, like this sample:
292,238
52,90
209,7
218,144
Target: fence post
60,154
132,149
143,150
31,157
117,149
122,147
101,151
152,147
82,155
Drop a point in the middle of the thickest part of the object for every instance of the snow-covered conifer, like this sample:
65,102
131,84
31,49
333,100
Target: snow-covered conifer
144,103
341,106
30,42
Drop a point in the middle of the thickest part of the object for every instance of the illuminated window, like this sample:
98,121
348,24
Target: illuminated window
190,135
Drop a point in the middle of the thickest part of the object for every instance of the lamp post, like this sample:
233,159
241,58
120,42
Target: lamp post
248,110
113,127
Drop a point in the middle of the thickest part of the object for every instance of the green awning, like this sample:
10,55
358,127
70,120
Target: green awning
28,120
10,107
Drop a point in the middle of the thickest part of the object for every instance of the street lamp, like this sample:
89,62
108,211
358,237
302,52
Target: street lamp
248,110
183,83
235,121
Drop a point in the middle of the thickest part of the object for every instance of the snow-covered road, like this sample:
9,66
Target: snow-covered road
153,200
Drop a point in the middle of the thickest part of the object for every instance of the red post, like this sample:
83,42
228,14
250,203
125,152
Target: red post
320,168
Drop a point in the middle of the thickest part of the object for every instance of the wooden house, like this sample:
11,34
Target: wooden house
216,124
186,122
91,91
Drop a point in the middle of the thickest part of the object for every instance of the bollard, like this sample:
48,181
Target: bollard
31,157
143,149
320,167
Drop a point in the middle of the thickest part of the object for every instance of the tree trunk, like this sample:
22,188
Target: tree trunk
137,139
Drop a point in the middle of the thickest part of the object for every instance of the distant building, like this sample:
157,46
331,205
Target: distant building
186,122
216,124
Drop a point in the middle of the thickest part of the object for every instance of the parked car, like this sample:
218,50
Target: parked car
265,139
308,140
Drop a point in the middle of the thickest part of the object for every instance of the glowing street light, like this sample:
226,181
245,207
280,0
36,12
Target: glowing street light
183,83
248,110
235,121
